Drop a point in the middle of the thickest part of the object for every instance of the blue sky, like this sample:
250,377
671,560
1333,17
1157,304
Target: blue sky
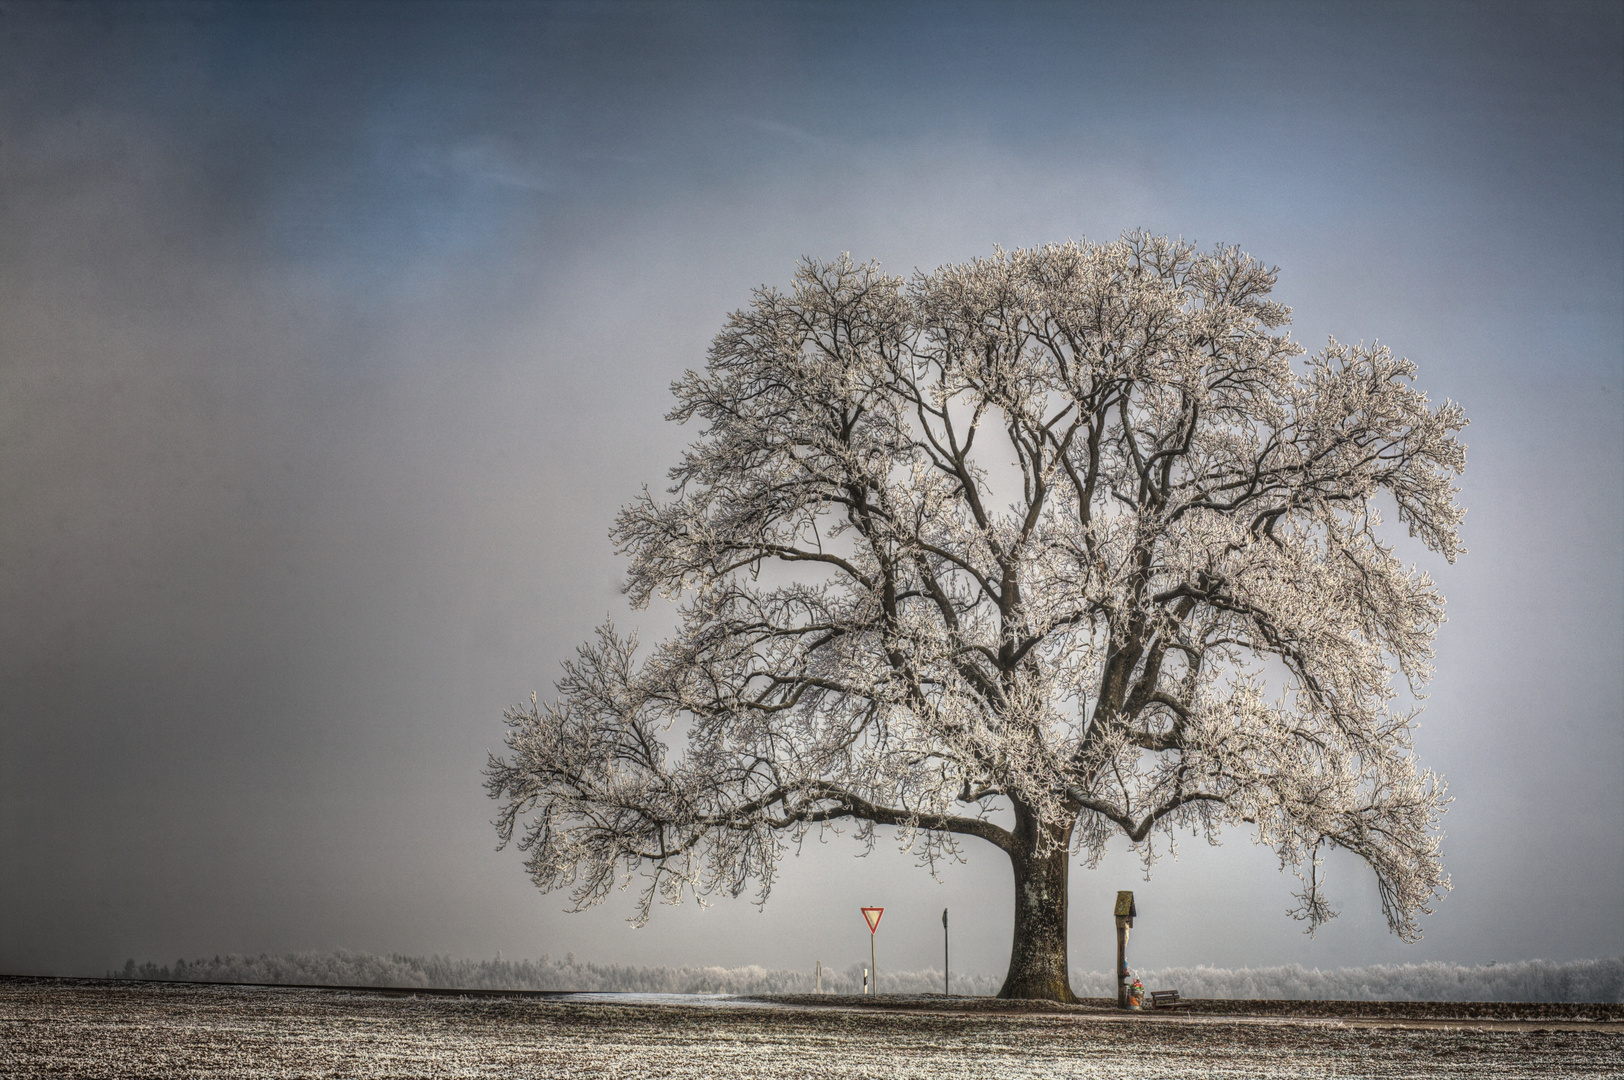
332,337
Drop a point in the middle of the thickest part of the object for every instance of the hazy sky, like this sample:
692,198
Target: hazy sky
332,337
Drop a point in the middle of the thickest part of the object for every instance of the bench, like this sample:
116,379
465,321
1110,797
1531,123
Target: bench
1164,999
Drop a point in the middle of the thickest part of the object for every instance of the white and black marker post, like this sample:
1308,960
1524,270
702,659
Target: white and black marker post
872,914
946,981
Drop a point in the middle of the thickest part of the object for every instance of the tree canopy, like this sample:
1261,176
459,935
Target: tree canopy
1077,532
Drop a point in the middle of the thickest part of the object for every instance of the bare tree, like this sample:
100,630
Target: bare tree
1070,533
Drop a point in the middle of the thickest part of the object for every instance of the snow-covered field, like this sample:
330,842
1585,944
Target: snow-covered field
148,1030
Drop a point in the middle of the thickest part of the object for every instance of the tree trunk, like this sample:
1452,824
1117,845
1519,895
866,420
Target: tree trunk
1037,960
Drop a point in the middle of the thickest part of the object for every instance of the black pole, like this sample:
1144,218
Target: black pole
945,980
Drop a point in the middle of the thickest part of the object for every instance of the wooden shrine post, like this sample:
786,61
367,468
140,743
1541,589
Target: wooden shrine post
1124,919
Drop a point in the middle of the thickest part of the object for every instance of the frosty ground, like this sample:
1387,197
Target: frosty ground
86,1029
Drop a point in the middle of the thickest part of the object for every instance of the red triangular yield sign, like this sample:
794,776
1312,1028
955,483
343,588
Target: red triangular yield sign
872,914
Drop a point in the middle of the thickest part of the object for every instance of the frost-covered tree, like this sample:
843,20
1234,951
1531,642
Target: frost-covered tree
1044,548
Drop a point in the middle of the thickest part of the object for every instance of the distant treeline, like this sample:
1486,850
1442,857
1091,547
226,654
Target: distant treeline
344,968
1528,980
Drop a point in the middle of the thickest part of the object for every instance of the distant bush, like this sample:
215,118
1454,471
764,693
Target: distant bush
1530,980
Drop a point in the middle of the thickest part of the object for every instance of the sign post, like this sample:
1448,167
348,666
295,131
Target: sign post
1124,919
872,914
